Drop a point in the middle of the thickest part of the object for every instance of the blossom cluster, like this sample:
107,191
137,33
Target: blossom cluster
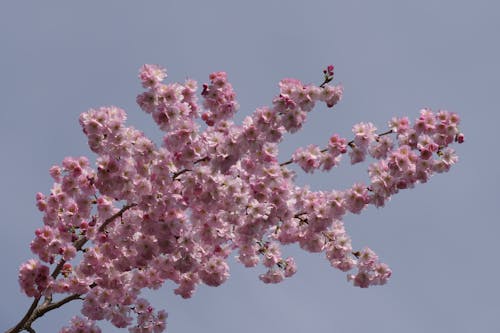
416,153
34,277
150,213
370,270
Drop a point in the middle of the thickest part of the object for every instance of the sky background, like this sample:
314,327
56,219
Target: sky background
60,58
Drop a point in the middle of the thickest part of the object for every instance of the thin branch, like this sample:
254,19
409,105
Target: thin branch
326,80
178,173
350,144
290,161
111,219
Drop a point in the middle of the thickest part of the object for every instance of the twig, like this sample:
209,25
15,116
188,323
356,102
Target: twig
178,173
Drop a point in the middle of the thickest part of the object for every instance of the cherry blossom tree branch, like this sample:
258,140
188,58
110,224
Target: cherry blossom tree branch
223,207
34,311
40,311
350,144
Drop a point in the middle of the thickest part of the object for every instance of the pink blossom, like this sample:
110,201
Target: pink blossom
356,198
290,267
219,99
426,122
308,159
381,147
370,270
357,155
312,242
331,95
273,275
399,125
151,75
364,134
81,325
34,278
215,272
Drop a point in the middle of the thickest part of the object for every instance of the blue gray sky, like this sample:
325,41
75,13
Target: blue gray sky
60,58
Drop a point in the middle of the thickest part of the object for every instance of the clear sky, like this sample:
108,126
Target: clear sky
60,58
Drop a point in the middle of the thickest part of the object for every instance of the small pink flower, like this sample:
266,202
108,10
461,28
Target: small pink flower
34,278
356,198
290,267
308,159
273,275
399,125
81,325
364,134
151,75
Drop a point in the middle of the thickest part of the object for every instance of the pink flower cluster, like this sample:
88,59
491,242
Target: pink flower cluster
149,213
34,278
418,152
370,270
219,99
423,150
81,325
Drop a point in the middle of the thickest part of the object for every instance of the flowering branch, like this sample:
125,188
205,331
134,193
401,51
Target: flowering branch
35,312
242,199
40,311
350,144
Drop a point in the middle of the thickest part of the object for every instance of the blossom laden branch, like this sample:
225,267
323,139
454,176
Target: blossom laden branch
107,222
34,312
350,144
241,198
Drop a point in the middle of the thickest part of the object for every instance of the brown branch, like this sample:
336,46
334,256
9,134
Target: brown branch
39,312
178,173
290,161
34,311
56,305
109,220
20,326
